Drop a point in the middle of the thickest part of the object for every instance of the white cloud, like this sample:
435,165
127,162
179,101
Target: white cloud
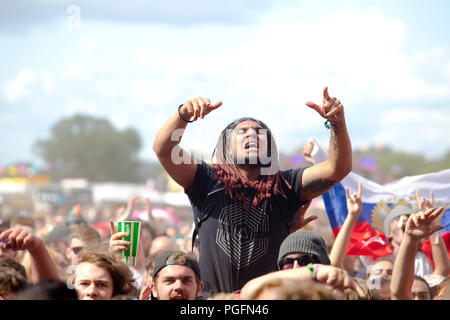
154,92
446,70
418,130
139,74
20,86
360,55
27,84
7,118
80,105
107,92
75,71
119,123
48,84
88,45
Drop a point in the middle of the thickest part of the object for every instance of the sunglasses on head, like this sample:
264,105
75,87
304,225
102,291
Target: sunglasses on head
77,250
302,260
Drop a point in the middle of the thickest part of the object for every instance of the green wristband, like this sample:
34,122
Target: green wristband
311,270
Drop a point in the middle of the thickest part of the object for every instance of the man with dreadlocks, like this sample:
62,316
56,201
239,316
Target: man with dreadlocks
244,203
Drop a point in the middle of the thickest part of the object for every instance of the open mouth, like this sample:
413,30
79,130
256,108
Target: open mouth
251,145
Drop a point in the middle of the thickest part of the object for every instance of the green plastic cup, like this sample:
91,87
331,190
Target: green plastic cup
133,229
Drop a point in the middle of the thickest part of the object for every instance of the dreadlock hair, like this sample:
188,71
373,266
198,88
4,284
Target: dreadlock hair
270,181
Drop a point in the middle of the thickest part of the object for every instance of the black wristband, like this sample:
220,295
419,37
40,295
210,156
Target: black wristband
179,114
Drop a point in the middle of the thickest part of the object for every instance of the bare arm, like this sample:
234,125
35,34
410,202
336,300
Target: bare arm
438,247
403,273
148,208
177,162
334,277
307,150
127,214
42,263
321,177
340,245
418,226
440,255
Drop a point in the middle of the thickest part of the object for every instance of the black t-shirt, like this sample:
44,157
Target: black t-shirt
236,245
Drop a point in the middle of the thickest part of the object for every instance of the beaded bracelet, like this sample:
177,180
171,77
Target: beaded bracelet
179,114
329,123
316,268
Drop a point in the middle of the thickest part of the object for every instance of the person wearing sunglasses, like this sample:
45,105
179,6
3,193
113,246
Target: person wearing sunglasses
381,267
302,248
302,257
243,203
81,237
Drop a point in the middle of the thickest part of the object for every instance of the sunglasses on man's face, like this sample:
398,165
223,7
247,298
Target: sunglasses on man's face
379,271
302,260
77,250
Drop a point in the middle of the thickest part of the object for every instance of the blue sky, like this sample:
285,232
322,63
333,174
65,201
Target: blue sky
134,62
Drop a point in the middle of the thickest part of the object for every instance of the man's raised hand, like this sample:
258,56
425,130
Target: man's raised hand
18,238
198,107
420,225
331,108
354,202
424,203
116,245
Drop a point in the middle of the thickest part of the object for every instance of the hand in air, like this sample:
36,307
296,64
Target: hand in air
331,108
198,107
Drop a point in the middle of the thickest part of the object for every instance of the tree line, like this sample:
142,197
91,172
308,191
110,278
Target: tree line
83,146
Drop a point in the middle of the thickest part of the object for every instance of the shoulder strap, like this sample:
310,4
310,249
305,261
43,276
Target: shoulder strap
198,223
210,201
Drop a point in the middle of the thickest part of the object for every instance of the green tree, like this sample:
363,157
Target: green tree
390,164
83,146
398,164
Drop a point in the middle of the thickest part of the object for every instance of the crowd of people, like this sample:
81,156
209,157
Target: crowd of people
248,238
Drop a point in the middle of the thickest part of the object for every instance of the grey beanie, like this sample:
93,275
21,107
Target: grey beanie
305,241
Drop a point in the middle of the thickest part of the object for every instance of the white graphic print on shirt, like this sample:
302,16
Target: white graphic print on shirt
243,235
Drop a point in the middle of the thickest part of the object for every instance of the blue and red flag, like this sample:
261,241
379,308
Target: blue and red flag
368,238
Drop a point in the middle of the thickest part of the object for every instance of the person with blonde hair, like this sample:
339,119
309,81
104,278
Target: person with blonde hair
81,237
98,276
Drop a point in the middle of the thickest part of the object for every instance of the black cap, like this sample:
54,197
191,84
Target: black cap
164,260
